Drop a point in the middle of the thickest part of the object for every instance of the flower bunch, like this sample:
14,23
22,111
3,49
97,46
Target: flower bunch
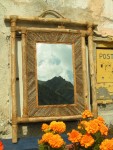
91,132
107,144
51,139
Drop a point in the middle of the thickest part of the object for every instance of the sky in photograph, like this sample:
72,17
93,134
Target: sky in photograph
54,60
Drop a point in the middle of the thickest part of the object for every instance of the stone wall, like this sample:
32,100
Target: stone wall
98,11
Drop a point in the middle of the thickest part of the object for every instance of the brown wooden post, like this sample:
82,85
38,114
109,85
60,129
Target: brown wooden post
92,70
13,79
24,76
84,68
74,73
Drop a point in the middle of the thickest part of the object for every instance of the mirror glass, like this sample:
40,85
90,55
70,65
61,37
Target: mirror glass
54,74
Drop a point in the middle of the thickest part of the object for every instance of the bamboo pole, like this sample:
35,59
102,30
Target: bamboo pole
24,74
62,21
92,71
13,81
84,68
74,73
36,29
41,119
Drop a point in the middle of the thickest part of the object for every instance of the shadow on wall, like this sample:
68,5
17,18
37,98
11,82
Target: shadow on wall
34,129
110,134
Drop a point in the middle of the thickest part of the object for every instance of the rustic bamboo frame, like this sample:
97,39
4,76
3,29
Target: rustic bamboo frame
25,118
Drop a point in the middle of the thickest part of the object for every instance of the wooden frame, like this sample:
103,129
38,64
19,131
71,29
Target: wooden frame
28,116
46,36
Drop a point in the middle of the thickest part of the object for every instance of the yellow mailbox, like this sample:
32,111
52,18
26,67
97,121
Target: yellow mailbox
104,68
104,65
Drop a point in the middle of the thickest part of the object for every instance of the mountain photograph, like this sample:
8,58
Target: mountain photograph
55,91
55,74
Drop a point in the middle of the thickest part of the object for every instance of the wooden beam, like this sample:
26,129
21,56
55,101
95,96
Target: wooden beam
13,80
24,77
36,29
74,73
84,68
92,71
44,119
62,21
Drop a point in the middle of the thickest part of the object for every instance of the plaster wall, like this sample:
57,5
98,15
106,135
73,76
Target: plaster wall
98,11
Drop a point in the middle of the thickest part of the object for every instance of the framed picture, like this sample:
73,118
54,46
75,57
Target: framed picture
54,84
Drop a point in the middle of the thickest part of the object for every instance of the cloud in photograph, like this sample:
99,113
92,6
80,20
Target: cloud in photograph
54,60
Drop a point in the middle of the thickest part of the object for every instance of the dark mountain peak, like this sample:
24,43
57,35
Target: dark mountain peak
55,91
59,78
57,83
41,82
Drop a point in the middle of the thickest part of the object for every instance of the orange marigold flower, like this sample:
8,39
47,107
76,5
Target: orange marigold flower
46,137
107,144
92,126
45,127
98,122
100,119
87,114
56,141
86,140
103,129
58,127
82,124
40,141
74,136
